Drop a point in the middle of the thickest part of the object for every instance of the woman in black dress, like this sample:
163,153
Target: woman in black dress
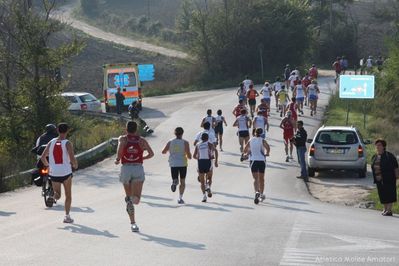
385,172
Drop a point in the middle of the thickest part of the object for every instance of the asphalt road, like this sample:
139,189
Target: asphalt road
289,228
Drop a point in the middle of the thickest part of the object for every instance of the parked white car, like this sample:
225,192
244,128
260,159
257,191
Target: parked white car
82,101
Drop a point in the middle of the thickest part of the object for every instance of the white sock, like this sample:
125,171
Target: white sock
181,196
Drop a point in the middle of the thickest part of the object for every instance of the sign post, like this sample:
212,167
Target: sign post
356,87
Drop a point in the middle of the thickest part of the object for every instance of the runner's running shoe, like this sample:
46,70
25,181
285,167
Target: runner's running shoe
68,219
134,227
256,200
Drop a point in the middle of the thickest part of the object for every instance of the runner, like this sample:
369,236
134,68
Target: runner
220,120
277,87
337,67
293,77
211,139
266,92
247,82
243,123
312,92
283,100
256,150
293,107
287,74
242,93
299,94
61,161
179,152
313,72
260,121
289,127
240,106
203,153
263,107
210,119
130,153
251,95
306,81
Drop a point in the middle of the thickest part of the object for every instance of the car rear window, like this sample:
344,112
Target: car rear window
337,137
87,98
71,99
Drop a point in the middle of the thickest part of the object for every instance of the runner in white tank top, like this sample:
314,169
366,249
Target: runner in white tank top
260,122
257,149
203,153
61,162
243,123
299,93
210,119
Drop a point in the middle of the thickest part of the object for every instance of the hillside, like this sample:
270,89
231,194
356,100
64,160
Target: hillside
85,73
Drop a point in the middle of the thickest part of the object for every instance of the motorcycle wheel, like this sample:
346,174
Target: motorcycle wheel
47,191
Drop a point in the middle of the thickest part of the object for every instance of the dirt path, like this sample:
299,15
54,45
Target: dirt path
64,14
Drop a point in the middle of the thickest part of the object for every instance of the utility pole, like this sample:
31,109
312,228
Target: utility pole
261,60
148,9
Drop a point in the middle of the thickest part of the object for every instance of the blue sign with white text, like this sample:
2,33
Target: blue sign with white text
356,86
146,72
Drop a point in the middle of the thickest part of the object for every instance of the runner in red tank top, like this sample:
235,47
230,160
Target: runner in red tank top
289,127
293,107
130,152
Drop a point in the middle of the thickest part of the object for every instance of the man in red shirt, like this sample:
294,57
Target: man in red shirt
240,106
313,72
130,152
338,68
289,127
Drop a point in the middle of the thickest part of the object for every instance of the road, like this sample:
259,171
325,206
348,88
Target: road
64,14
289,228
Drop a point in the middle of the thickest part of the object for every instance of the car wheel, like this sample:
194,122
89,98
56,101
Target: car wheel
362,173
311,172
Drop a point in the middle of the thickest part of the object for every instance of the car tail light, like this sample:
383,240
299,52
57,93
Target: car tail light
43,171
311,150
83,106
360,151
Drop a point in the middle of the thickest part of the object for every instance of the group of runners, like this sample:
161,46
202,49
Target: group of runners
133,150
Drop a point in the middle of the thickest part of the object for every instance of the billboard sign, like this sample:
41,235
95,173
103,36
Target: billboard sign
356,86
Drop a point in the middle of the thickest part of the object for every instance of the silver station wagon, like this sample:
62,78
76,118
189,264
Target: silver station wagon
337,148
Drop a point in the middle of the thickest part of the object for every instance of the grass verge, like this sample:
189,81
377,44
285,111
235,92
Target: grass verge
377,205
336,115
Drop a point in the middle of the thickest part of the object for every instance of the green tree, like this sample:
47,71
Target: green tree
226,35
28,85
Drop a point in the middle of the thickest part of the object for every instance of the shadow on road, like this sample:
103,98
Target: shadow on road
82,229
289,201
231,206
156,198
233,165
230,153
159,205
232,195
73,209
275,165
172,243
288,208
3,213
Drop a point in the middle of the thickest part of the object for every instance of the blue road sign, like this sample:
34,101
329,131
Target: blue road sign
356,86
146,72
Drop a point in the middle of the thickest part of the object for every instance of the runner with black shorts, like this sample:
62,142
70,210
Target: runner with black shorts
179,152
220,120
204,154
256,150
243,123
61,161
251,95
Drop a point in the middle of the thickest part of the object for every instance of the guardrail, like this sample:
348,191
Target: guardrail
82,158
102,115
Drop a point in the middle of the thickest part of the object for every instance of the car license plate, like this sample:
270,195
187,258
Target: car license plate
336,151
